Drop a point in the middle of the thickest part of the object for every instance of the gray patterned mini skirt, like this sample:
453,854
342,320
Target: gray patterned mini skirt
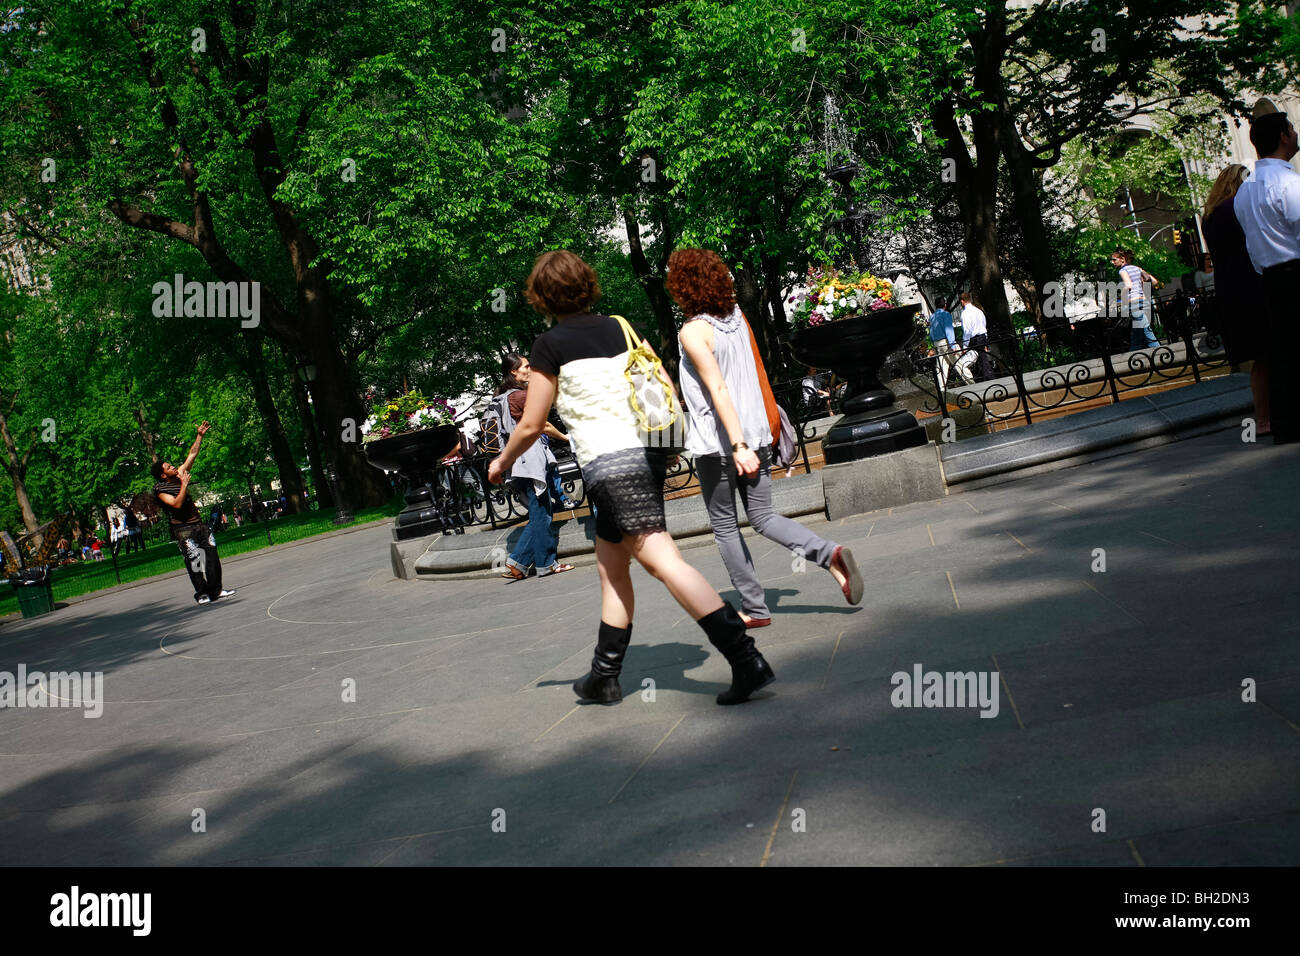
626,489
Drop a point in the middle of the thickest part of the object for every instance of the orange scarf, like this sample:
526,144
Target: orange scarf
769,401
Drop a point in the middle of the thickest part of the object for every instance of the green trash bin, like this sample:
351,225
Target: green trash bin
35,592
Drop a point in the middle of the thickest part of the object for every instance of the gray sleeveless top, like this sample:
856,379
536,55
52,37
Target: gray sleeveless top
735,358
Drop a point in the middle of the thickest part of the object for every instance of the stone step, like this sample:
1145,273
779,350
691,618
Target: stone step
1128,425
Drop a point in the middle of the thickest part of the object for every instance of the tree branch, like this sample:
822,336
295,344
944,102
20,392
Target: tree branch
135,216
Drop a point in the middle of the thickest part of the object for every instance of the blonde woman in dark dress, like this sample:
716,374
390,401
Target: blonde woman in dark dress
1238,289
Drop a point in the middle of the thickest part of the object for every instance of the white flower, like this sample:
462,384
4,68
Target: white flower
843,303
853,303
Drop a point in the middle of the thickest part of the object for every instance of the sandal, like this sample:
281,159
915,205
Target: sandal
556,568
514,574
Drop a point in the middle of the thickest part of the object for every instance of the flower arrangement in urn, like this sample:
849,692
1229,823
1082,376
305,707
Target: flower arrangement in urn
406,413
832,295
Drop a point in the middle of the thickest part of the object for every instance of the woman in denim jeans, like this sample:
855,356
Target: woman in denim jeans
529,479
1134,277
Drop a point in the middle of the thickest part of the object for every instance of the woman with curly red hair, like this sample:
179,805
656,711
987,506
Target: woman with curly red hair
579,363
729,433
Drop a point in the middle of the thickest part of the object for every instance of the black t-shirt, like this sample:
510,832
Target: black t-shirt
187,513
577,337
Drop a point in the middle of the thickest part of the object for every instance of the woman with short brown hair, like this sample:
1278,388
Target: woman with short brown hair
579,363
535,549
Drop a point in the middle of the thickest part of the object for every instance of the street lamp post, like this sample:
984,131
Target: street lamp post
307,375
1128,201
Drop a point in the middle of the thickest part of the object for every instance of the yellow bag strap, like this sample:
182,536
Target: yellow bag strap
629,334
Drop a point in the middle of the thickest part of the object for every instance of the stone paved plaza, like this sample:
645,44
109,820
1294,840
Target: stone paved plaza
1119,690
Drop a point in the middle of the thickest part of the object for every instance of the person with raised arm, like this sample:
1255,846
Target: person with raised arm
194,538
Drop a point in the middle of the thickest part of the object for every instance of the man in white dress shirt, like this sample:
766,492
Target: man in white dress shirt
1268,208
975,338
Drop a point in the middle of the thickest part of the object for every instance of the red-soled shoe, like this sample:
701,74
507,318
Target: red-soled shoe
842,560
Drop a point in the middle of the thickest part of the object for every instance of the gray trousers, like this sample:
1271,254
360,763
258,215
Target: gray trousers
719,484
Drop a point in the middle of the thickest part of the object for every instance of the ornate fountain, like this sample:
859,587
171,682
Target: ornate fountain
855,349
415,455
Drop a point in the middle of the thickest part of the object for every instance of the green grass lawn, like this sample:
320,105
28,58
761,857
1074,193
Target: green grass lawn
162,557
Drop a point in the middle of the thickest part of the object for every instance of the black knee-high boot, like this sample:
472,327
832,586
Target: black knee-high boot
601,685
749,671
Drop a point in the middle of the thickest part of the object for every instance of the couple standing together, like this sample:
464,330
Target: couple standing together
579,365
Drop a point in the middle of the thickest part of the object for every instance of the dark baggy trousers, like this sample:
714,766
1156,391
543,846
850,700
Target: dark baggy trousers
1282,286
199,549
983,361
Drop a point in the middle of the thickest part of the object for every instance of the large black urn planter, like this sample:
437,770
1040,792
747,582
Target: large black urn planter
856,348
415,455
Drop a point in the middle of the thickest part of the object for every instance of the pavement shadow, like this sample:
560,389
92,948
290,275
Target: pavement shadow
893,785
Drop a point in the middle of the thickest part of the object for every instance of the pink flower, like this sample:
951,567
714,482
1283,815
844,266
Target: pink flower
816,318
879,304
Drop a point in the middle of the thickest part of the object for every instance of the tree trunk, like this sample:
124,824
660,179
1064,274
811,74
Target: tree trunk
108,528
653,286
340,415
749,296
281,453
16,467
976,182
982,262
1028,208
320,487
145,435
776,326
338,404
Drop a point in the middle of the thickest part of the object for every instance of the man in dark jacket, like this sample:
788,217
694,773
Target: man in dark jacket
192,536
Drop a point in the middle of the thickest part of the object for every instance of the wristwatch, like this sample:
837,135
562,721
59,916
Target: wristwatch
737,446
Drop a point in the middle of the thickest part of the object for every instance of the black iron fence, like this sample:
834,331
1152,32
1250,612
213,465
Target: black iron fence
804,405
462,492
465,497
1016,377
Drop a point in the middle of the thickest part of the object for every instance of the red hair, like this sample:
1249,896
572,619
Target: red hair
700,282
